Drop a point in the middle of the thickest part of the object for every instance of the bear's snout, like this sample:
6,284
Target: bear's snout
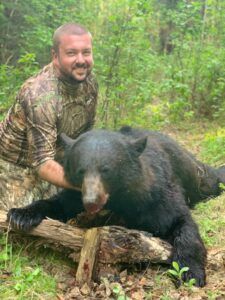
93,193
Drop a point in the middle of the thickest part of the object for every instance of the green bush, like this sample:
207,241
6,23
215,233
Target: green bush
11,78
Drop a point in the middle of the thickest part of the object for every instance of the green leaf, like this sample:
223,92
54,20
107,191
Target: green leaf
18,287
116,290
173,272
192,281
183,270
222,186
36,272
176,266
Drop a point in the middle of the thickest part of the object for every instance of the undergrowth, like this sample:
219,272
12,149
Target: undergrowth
21,277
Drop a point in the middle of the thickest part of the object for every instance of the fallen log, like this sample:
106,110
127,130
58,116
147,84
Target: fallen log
101,245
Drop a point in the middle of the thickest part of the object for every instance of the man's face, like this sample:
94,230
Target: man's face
74,58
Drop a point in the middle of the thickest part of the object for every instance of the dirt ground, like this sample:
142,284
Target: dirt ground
151,283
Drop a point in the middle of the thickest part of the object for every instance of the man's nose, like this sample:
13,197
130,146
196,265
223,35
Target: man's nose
80,58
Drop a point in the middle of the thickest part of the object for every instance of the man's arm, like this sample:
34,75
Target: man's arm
53,172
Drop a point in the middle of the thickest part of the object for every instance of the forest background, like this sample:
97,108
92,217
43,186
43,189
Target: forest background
160,64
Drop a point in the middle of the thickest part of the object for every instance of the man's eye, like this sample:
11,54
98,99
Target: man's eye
71,53
87,53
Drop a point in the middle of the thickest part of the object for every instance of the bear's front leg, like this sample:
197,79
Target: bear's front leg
24,218
62,207
189,250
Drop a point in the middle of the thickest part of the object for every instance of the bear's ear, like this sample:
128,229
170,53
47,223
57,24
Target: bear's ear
66,140
139,145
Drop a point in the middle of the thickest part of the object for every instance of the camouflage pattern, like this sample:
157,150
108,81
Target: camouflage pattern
45,107
20,186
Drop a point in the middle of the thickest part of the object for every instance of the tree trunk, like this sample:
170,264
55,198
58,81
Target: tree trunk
107,245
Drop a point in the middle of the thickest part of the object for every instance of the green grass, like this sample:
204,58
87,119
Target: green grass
213,146
21,277
211,221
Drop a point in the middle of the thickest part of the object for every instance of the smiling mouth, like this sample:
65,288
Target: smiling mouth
80,70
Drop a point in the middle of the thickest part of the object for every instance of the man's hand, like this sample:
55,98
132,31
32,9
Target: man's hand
53,172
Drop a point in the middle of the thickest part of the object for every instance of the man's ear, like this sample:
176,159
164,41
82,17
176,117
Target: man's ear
66,140
53,53
138,146
54,56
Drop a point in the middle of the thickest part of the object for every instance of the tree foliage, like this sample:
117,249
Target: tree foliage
157,62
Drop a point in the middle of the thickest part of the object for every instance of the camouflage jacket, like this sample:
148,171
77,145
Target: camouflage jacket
45,107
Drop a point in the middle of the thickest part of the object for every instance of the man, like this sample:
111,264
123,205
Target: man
62,97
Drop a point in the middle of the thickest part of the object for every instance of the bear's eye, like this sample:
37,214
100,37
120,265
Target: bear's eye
80,172
104,169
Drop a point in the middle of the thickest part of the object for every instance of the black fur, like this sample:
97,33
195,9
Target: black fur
146,178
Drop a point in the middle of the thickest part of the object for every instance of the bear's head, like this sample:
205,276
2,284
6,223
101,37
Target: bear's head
100,162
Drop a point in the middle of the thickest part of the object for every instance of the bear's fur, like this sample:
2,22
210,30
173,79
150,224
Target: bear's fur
143,176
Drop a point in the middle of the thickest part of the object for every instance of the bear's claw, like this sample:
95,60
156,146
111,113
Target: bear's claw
199,277
23,219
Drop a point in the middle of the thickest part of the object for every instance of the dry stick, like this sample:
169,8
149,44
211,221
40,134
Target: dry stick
105,245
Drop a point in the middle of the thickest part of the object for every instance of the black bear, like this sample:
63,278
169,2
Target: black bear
144,177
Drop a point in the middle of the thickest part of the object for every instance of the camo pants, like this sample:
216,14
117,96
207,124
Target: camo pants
21,186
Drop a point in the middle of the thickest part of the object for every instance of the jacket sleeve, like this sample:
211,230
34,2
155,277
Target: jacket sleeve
41,119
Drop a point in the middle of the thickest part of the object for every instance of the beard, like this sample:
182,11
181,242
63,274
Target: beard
78,74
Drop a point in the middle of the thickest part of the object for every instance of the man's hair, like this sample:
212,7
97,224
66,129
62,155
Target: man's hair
69,28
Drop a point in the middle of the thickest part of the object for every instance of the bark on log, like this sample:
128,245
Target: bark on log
104,245
119,244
